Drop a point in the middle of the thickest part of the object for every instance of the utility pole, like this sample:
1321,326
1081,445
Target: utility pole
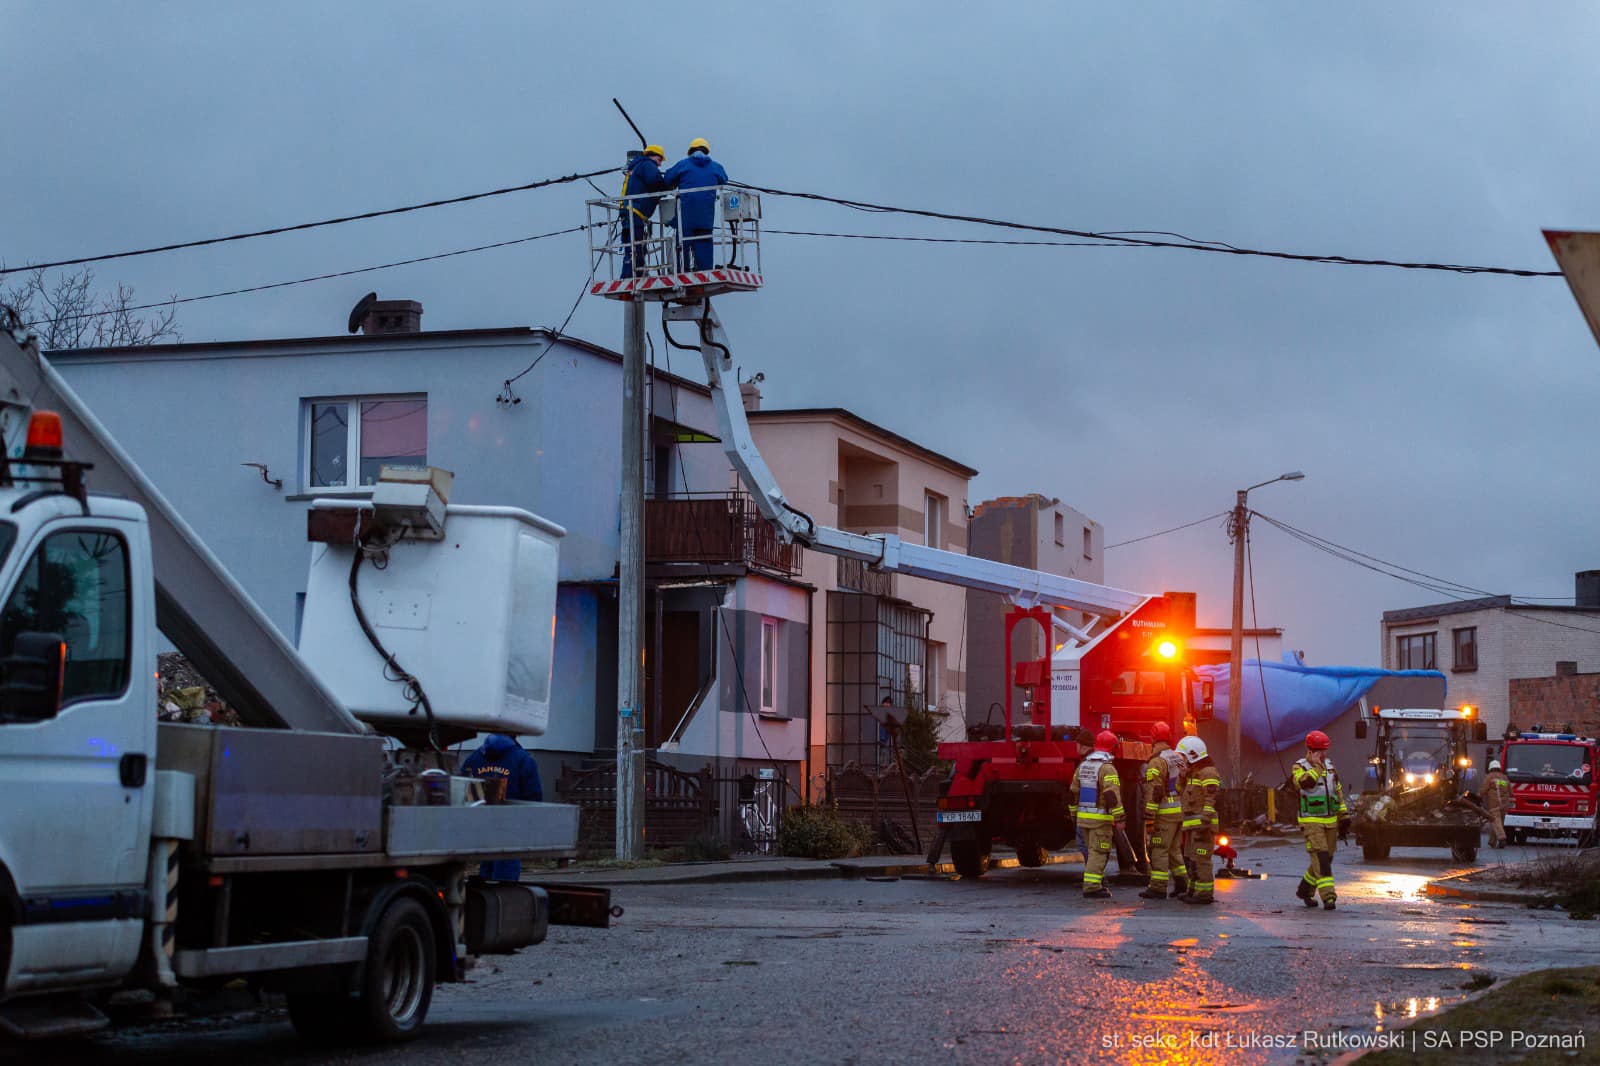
1239,531
630,591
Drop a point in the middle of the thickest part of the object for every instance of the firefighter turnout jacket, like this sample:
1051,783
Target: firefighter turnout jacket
1321,797
1097,800
1496,792
1200,793
1163,774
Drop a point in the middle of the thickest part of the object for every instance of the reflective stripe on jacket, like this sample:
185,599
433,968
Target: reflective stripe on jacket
1321,798
1496,792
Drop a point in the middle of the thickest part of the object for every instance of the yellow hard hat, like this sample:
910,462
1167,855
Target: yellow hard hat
701,143
656,150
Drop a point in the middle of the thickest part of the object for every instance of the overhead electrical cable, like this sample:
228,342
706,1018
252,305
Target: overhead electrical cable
315,277
1164,532
525,187
1145,242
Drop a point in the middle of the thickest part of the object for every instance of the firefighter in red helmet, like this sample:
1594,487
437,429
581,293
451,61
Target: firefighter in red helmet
1097,805
1321,808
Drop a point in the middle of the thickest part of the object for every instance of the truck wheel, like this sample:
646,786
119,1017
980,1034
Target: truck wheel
397,985
1030,854
1463,852
1374,852
970,859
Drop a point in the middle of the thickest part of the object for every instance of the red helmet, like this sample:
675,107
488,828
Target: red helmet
1161,731
1105,740
1317,740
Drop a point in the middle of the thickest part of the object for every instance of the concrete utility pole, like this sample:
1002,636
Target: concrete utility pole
630,593
1239,530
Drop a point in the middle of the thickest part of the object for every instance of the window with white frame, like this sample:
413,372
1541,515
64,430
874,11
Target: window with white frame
933,680
769,666
933,512
349,440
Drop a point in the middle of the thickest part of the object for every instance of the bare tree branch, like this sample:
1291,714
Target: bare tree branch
66,312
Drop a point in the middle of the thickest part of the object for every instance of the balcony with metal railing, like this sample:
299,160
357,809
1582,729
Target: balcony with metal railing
715,529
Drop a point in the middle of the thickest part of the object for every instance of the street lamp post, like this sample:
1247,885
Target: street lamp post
1238,530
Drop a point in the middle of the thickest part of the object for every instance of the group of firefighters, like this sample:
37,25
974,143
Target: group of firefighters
1180,788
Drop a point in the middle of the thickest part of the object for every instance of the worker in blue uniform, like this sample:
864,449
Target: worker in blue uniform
500,756
697,211
643,176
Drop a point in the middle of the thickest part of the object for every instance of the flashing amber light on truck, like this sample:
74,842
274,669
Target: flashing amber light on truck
1167,649
44,436
1468,710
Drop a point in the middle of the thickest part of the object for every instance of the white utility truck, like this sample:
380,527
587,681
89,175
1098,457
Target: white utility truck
322,852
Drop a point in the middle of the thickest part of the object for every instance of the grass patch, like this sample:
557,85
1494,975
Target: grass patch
1544,1003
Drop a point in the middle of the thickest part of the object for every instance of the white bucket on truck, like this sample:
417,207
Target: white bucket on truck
471,616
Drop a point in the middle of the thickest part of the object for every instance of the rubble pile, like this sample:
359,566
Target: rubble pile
182,695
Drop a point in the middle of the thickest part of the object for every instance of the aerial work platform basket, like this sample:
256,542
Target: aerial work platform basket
656,259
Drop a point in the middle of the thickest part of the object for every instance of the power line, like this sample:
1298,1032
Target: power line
315,277
4,270
946,240
1164,532
1191,245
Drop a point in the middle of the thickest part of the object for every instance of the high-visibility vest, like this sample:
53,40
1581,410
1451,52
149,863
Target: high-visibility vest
1323,802
1097,784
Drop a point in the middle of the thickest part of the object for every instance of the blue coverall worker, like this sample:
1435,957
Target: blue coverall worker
501,756
644,176
697,211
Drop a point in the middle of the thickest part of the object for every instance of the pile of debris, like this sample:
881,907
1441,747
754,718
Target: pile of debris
182,695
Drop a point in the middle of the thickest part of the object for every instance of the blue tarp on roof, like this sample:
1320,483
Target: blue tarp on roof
1299,698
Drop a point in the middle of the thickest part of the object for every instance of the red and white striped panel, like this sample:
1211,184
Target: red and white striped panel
1533,789
723,279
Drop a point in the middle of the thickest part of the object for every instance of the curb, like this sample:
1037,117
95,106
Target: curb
1443,889
754,872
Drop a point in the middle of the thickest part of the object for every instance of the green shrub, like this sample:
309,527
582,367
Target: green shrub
816,832
919,739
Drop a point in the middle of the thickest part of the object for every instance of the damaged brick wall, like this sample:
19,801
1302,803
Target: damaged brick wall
1557,702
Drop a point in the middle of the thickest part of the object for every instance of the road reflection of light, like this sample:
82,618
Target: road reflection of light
1463,943
1404,887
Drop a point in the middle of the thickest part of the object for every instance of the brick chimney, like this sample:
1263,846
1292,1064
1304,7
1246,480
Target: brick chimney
392,316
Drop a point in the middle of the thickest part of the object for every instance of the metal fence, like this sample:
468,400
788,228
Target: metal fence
750,808
720,527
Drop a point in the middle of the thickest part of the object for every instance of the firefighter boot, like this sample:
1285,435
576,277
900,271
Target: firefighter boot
1152,891
1307,892
1180,886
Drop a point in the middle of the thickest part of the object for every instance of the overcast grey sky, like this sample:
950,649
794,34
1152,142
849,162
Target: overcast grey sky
1444,422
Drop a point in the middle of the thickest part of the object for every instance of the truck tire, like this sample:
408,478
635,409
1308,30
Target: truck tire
1374,852
969,858
1030,854
397,981
1463,852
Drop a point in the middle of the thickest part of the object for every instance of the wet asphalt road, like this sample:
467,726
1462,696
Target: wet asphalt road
1015,967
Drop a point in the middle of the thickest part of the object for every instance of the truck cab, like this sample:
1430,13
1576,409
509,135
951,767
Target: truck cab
1416,779
77,733
1554,794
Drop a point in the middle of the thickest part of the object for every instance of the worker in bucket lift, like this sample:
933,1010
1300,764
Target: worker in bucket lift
1497,801
1201,786
508,772
1097,805
1321,810
1163,816
643,176
697,211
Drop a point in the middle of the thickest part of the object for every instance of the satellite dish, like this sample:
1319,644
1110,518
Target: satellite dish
359,311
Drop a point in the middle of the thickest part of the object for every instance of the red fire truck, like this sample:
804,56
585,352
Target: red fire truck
1554,793
1012,783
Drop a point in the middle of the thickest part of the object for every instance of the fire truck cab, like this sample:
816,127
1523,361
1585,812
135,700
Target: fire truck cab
1011,782
1554,794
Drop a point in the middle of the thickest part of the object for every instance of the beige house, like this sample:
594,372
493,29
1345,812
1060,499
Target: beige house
875,637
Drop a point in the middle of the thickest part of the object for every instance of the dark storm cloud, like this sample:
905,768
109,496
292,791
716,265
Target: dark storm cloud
1444,421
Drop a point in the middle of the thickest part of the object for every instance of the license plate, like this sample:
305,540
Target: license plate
959,816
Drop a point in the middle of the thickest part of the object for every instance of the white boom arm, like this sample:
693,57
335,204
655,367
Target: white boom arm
199,606
885,552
